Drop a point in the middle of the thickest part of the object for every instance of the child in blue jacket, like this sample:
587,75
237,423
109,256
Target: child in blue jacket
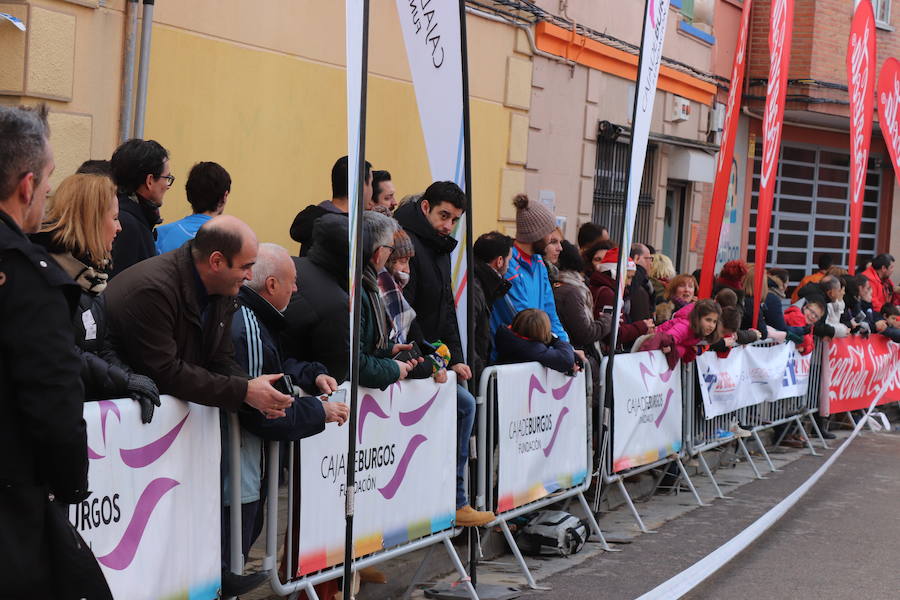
529,339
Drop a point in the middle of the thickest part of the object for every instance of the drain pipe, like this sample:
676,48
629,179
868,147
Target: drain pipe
143,69
528,34
125,113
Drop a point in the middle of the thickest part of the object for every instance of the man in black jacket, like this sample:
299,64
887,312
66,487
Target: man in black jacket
641,290
429,223
318,327
141,172
43,439
491,252
254,331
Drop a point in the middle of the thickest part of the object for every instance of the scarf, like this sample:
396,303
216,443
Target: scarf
370,287
576,280
91,281
399,310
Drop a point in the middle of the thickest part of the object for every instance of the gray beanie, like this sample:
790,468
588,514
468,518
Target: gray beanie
533,220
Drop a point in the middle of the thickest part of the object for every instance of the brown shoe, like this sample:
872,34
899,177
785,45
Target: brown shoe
469,517
372,575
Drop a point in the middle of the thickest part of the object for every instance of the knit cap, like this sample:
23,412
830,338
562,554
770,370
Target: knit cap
533,220
403,246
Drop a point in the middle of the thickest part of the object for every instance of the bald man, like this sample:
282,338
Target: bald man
170,318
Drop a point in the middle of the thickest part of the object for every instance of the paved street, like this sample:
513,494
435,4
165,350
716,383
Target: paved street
840,542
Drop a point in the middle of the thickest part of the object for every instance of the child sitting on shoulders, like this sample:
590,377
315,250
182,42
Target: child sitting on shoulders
529,339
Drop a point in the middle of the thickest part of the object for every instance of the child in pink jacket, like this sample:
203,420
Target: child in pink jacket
693,325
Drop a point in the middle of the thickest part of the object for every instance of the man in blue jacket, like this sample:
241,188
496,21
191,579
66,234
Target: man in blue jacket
527,273
255,330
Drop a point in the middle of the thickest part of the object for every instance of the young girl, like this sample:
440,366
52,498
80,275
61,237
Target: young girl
529,339
695,324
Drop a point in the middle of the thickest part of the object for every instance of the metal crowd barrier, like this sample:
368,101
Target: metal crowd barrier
487,420
707,434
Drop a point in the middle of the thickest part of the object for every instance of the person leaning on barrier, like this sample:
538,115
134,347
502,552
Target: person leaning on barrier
255,330
78,232
529,339
170,318
491,256
43,438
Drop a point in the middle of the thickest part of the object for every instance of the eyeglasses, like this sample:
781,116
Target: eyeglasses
170,179
386,246
812,312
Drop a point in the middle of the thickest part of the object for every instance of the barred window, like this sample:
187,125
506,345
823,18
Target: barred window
610,188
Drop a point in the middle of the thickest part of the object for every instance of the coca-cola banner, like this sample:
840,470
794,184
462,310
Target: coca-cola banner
854,371
781,24
726,156
889,108
861,78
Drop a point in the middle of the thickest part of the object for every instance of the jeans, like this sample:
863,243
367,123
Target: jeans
465,419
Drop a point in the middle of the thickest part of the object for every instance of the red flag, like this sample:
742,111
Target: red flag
781,26
861,78
726,155
889,109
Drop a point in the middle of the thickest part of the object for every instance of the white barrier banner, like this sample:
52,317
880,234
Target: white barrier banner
751,375
647,422
542,430
152,519
405,473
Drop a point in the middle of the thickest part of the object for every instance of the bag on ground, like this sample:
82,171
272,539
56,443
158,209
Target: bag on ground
553,533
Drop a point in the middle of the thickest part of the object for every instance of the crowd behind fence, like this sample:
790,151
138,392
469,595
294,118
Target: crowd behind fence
539,411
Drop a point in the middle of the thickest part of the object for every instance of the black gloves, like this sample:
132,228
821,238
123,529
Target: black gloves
823,329
144,390
794,337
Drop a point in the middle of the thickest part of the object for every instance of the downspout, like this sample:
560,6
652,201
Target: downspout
143,69
125,112
528,33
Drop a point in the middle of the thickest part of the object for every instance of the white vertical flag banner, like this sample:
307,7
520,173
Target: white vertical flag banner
654,35
431,31
354,105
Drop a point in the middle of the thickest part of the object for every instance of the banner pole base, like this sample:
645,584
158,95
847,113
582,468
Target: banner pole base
690,483
765,453
634,512
708,471
592,520
746,454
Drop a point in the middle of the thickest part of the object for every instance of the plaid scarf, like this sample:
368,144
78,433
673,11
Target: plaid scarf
401,313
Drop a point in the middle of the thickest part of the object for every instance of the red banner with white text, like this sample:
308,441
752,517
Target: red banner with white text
726,155
781,24
853,371
861,77
889,109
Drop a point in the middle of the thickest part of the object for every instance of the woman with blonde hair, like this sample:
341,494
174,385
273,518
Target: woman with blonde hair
661,272
78,233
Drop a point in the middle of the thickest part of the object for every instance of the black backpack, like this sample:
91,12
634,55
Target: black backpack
553,533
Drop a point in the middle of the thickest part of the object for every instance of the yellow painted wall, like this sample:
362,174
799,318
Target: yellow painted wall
277,122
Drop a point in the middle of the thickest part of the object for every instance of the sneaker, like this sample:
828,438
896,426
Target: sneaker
372,575
739,431
238,585
724,434
827,435
469,517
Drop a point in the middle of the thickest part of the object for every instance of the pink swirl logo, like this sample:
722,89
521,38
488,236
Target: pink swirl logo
559,393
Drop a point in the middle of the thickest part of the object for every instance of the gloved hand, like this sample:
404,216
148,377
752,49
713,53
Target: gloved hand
823,329
793,337
144,390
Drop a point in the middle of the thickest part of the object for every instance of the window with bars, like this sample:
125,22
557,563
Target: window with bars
810,211
610,187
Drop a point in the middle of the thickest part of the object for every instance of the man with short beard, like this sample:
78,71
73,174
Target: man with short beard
526,271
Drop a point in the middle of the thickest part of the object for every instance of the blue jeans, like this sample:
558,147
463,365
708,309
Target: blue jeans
465,419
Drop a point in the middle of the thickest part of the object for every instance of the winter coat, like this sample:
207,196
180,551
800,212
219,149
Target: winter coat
659,289
137,240
304,224
530,289
796,323
892,333
102,371
318,322
513,348
174,235
603,290
774,313
377,369
160,329
574,305
430,290
813,278
487,287
254,332
677,334
642,305
835,318
43,439
879,297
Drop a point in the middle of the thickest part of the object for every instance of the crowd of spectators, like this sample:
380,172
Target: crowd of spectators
201,310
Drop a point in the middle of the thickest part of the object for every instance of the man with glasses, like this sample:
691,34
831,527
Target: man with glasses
140,169
641,293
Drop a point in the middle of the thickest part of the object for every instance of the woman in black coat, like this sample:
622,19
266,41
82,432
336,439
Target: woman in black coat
78,233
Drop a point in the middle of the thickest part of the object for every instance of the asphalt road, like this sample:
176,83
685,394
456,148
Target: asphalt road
841,541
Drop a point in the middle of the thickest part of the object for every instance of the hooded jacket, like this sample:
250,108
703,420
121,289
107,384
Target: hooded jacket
677,334
137,240
879,298
305,221
488,287
318,325
530,289
158,328
43,437
513,348
430,290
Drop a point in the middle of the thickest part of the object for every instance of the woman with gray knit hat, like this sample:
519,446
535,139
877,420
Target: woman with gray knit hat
527,272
